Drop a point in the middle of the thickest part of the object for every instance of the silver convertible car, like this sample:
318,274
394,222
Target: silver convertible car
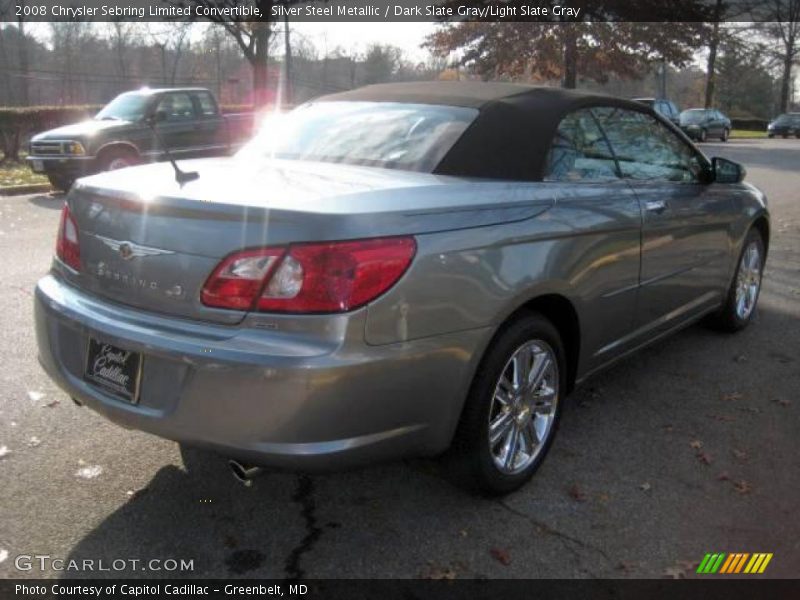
395,271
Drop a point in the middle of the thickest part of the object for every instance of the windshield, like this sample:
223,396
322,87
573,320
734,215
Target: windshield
125,107
412,137
786,119
692,116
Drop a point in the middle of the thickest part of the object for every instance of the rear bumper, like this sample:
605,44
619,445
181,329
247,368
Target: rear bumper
258,397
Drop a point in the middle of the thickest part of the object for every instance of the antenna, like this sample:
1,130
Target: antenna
181,177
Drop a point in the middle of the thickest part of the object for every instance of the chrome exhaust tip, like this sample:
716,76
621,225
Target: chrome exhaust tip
244,474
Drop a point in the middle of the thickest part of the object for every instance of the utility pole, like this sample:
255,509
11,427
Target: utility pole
287,59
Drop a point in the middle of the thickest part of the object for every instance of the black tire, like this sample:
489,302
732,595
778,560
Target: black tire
471,450
702,136
797,134
61,183
725,134
770,135
117,158
727,318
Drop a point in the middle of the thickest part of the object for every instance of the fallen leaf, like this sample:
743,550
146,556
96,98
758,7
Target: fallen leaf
674,573
438,573
740,358
723,418
645,487
704,458
723,476
501,556
34,441
576,493
463,533
89,472
750,409
668,428
52,403
731,396
743,487
603,498
696,444
230,541
625,566
740,455
4,451
783,402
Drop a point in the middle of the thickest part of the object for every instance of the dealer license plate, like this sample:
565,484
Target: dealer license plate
114,369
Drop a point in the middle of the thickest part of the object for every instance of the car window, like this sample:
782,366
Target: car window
646,149
208,107
580,151
177,107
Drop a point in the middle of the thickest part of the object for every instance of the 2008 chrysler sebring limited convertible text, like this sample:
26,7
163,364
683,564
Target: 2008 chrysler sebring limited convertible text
393,271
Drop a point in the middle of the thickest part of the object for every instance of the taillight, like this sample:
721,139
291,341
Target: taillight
309,278
68,249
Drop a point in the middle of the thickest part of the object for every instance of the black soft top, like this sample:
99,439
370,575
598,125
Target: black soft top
510,137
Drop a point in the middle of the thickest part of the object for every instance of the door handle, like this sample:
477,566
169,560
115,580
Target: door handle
656,206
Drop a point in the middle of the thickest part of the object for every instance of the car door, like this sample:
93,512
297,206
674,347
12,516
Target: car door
684,266
603,252
211,126
177,121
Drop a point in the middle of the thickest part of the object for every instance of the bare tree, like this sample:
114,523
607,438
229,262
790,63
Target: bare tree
253,37
172,39
783,26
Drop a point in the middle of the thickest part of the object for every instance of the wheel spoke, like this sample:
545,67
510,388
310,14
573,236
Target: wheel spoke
511,449
498,429
541,365
531,436
543,402
522,365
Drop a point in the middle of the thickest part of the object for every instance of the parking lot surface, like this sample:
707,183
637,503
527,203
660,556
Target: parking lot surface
691,446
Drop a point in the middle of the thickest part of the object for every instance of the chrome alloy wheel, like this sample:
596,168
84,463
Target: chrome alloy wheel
118,163
523,408
748,281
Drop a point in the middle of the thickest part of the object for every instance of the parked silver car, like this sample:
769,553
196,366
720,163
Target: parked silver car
393,271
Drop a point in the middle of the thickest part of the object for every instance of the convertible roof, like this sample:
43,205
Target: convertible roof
510,137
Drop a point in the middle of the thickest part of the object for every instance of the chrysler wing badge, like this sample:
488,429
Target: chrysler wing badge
129,250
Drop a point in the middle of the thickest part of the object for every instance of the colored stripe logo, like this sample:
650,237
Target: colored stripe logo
734,563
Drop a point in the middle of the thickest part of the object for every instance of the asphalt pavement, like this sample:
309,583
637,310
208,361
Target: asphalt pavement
692,446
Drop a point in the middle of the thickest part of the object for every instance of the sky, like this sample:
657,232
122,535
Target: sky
352,37
357,36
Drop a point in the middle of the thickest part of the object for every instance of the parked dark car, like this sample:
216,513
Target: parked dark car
666,108
785,125
703,123
394,270
188,120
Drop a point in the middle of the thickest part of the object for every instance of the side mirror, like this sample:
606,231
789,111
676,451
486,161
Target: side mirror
727,171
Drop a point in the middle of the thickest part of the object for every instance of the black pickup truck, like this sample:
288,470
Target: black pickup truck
188,121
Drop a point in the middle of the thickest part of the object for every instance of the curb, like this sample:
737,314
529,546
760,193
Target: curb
19,190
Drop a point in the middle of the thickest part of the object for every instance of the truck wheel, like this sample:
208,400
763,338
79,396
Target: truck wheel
114,159
702,135
725,134
61,183
514,405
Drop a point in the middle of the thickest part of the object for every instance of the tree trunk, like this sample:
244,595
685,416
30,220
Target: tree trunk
23,62
786,82
261,95
570,56
711,73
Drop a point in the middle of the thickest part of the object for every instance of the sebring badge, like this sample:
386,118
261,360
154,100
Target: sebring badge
129,250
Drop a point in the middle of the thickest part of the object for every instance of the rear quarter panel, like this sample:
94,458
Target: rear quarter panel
585,247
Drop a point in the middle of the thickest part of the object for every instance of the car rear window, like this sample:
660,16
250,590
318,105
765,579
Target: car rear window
412,137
